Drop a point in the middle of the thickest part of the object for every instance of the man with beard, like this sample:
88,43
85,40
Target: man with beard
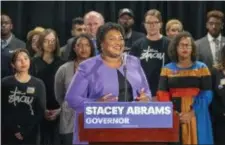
210,45
9,43
126,20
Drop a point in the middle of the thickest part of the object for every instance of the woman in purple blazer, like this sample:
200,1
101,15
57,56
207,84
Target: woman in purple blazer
109,76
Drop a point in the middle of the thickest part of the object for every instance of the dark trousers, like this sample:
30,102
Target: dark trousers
9,138
66,139
49,132
219,133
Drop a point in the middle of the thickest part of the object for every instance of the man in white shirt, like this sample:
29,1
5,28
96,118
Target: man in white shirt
209,46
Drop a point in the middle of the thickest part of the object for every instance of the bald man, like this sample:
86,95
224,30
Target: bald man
93,20
9,43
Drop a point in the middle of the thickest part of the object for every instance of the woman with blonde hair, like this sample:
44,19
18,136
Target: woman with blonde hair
173,27
32,41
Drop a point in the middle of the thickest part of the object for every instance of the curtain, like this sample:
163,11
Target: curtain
59,14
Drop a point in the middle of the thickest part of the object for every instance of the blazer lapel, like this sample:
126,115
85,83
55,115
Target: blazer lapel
208,51
222,42
12,43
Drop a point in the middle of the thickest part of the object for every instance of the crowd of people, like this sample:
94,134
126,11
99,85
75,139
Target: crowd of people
44,84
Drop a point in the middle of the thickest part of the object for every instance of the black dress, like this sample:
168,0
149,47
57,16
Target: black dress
218,106
49,130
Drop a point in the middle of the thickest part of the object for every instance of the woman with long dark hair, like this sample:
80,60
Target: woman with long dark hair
23,102
82,49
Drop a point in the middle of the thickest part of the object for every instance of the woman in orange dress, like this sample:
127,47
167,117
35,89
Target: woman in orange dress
187,83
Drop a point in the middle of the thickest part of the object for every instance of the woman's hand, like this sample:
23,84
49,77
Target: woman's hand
142,97
108,98
52,114
19,136
187,116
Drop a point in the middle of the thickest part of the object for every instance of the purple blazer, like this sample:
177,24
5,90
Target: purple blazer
94,79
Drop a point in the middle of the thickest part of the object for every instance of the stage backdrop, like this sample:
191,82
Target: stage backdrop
58,14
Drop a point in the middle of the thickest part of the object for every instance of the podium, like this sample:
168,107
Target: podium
129,136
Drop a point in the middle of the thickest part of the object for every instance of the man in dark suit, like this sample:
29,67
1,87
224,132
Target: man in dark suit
9,43
93,20
126,20
209,46
78,28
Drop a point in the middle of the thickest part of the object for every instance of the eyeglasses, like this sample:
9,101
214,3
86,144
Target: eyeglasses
182,45
49,41
152,23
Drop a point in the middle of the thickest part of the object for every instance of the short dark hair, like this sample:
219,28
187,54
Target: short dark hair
73,55
215,13
42,37
172,50
17,52
104,29
4,14
77,21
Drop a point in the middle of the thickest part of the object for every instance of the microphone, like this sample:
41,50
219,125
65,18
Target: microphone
125,75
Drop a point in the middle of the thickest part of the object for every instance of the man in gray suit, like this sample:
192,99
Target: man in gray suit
9,43
208,47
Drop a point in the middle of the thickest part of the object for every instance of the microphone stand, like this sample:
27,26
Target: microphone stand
125,82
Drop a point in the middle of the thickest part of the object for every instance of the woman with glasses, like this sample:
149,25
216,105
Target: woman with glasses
45,67
82,49
187,84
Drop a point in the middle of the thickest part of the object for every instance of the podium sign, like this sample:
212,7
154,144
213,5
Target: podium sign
128,115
